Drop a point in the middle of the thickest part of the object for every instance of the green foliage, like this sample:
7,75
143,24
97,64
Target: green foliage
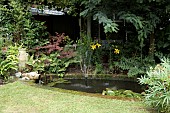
135,65
158,82
143,27
36,65
56,54
122,93
142,1
98,68
50,64
18,25
1,41
9,61
88,54
84,52
60,65
109,25
12,19
143,17
132,18
35,34
163,42
89,6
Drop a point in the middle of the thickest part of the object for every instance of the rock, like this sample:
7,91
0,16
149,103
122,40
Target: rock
104,92
18,75
25,78
31,75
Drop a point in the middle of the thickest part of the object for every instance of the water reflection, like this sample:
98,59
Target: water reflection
98,85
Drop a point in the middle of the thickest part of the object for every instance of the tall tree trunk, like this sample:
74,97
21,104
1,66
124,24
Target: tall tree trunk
152,44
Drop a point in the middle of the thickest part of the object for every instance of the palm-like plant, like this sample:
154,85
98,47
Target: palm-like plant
158,82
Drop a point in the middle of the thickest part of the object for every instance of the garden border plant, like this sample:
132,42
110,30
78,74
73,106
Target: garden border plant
56,53
9,61
18,25
158,86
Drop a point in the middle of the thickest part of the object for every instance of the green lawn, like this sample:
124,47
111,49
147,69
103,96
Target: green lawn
19,97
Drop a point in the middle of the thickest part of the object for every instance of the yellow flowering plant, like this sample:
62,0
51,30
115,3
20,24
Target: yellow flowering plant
94,46
89,53
98,45
116,51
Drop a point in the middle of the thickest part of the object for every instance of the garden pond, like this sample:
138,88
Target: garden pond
98,85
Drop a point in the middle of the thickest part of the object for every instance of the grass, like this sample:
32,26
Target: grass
19,97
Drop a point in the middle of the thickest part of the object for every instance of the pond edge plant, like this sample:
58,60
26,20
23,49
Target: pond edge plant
158,86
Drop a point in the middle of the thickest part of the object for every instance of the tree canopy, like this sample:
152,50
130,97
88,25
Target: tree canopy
147,16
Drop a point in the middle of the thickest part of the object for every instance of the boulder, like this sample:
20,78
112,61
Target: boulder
18,74
31,75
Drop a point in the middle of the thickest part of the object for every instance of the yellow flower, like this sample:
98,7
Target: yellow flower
93,47
116,51
98,45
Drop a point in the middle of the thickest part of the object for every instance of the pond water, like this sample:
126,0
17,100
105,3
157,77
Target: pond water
98,85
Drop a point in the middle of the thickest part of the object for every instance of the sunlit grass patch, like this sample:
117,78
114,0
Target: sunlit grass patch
18,97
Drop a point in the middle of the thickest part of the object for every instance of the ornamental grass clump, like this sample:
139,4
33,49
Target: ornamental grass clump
158,86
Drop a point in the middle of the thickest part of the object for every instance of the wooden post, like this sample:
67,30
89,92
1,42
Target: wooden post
89,26
80,24
99,30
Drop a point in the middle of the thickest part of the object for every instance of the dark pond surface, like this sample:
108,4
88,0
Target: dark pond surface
98,85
